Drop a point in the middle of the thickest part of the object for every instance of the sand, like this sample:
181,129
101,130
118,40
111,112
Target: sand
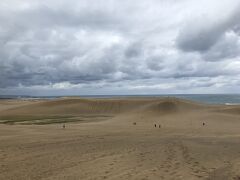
117,139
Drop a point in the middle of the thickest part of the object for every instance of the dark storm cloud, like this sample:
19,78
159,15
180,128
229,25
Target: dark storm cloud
201,33
226,48
134,50
86,46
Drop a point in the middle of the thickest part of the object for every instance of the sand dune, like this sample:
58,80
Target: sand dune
117,139
78,106
230,110
109,106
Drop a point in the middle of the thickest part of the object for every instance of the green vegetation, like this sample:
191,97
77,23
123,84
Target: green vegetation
42,120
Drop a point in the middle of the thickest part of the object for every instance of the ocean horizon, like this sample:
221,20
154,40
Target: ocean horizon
227,99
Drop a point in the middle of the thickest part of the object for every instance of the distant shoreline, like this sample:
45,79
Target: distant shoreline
226,99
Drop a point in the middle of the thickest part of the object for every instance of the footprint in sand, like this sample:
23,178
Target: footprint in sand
236,177
170,167
197,169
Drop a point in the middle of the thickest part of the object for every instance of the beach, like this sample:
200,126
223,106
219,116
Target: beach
118,138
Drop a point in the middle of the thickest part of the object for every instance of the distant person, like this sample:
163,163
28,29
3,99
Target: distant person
63,126
155,125
203,123
159,126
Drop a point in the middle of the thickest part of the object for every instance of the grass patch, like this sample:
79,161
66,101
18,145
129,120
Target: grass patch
19,119
51,121
43,120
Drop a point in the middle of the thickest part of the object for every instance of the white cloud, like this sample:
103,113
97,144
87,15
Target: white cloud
111,46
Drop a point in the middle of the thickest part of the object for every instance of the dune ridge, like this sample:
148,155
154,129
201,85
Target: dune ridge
87,110
108,106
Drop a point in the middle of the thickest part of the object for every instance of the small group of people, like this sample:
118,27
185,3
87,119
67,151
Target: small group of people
155,125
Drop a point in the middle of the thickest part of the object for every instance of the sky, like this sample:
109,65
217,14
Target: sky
94,47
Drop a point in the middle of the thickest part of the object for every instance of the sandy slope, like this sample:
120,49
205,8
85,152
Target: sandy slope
115,148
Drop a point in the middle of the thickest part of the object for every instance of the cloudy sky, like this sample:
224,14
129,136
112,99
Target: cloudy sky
76,47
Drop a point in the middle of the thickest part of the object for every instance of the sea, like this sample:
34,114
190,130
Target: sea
227,99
